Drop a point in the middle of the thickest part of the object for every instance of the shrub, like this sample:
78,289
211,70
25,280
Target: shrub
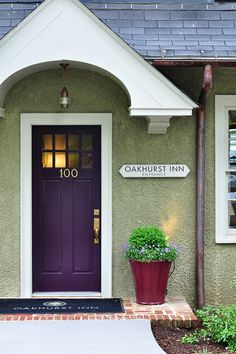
219,324
148,244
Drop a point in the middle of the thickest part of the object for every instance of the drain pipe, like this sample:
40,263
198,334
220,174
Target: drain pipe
200,184
200,216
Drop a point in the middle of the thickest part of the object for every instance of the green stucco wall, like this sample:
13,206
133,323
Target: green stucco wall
169,203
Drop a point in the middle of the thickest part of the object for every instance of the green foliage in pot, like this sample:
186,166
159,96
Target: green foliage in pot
147,244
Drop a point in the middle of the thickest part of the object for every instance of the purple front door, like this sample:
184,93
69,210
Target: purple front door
66,208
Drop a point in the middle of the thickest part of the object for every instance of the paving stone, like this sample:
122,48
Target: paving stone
168,313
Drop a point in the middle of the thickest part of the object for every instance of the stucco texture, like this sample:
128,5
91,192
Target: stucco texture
220,264
169,203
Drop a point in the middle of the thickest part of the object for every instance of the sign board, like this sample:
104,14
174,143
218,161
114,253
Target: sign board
154,171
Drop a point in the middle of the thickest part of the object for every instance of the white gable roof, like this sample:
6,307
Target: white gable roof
65,30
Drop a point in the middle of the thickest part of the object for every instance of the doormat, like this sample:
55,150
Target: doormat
59,305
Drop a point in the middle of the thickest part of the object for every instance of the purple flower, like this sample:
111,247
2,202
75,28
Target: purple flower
173,246
124,247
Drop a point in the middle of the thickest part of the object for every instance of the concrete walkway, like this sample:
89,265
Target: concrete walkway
78,337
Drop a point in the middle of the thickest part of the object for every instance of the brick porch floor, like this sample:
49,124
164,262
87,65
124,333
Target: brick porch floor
174,312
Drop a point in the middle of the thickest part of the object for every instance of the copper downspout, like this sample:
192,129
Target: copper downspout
200,215
200,240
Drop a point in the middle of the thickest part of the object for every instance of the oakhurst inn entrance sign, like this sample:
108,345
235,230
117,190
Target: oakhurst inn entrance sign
154,171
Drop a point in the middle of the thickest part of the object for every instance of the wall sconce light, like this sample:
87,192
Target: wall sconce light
64,100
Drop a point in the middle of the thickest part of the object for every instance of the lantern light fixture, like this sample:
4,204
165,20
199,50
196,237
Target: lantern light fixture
64,100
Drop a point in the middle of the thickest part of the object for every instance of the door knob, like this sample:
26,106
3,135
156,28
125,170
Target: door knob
96,228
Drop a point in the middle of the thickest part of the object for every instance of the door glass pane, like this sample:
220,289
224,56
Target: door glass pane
60,142
87,142
73,141
60,159
47,159
47,142
73,160
87,160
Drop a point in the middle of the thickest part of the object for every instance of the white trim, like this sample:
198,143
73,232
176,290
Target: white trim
66,294
158,124
222,106
49,35
27,121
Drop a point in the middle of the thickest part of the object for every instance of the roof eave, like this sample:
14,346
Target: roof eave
198,62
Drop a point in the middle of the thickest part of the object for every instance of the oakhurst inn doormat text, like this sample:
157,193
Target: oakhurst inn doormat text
60,305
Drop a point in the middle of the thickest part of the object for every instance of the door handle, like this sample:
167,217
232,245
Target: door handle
96,236
96,227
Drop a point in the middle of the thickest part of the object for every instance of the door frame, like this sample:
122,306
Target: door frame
27,121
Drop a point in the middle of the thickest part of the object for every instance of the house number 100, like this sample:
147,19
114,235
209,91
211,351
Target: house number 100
66,173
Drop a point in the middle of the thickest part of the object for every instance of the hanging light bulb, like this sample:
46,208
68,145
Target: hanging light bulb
64,100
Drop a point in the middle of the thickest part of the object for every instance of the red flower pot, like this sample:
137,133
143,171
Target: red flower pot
150,281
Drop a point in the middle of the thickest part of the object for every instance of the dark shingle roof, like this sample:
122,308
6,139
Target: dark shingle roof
163,30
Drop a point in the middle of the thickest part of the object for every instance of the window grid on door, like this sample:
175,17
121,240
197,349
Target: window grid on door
67,151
